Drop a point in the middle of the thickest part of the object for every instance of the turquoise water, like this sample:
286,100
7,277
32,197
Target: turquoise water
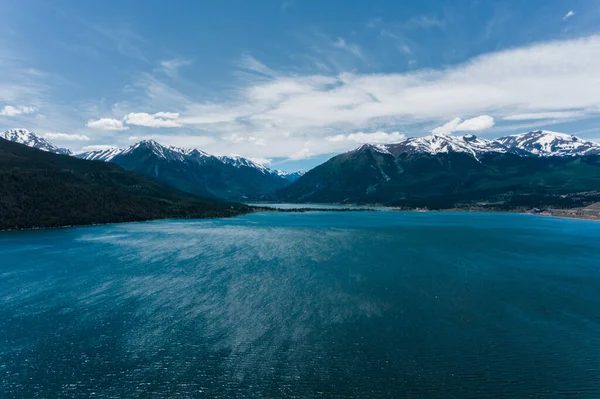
275,305
283,205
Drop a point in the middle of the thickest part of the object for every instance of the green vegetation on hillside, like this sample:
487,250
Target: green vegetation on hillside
40,189
449,180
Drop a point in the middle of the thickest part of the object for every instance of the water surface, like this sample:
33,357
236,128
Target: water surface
285,205
275,305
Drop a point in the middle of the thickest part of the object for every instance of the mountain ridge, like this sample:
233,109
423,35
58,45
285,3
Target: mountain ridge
42,189
30,139
446,171
187,169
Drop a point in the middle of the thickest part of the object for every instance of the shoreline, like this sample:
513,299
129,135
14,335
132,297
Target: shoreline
557,213
586,213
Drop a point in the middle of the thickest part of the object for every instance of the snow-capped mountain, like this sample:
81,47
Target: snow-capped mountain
446,171
164,152
238,162
437,144
541,143
545,143
30,139
195,171
290,176
100,155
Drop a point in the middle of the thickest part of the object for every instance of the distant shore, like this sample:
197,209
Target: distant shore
587,213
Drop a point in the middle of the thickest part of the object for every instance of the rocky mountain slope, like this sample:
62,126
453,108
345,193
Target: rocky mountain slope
42,189
438,171
30,139
189,170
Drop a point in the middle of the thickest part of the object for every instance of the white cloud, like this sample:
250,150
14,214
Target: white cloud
353,49
251,64
172,66
545,115
448,127
236,138
568,15
106,124
166,115
262,161
289,109
9,110
374,138
469,125
66,137
159,119
476,124
303,153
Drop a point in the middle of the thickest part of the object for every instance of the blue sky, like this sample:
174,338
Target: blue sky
293,82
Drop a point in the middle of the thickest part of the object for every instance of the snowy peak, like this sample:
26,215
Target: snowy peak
30,139
239,162
164,152
100,155
184,154
290,176
438,144
537,143
545,143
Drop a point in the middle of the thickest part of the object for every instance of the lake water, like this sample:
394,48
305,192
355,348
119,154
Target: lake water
304,305
284,206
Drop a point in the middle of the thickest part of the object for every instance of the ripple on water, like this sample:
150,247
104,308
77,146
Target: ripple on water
336,305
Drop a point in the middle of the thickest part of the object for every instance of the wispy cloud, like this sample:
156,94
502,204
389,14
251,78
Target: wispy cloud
375,137
170,67
475,124
250,64
237,138
545,115
159,119
9,110
106,124
122,40
568,15
66,137
299,115
352,48
424,22
262,161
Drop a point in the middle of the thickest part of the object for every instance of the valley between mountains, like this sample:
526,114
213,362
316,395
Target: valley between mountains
540,171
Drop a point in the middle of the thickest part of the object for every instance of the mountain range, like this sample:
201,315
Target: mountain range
190,170
39,188
537,168
534,169
30,139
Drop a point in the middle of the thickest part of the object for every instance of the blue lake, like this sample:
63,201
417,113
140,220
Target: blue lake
304,305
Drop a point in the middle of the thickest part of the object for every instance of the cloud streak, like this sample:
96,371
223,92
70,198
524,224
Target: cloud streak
375,138
159,119
470,125
66,137
9,110
299,114
106,124
568,15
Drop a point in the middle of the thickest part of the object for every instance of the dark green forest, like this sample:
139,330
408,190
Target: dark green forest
40,189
